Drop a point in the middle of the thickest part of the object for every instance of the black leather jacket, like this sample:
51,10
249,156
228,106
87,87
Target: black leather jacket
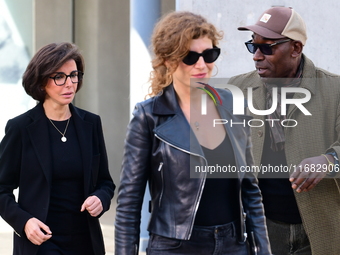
160,148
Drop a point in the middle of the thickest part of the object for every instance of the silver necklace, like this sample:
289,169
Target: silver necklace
63,138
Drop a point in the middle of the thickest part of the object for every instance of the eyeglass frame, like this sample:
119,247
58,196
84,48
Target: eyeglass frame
66,76
215,48
258,45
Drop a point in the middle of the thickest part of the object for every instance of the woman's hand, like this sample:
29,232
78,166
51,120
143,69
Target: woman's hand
36,231
93,205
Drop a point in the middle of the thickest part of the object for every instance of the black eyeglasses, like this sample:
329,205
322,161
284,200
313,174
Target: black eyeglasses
60,77
265,48
209,56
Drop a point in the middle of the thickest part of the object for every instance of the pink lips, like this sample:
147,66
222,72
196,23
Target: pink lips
70,94
200,75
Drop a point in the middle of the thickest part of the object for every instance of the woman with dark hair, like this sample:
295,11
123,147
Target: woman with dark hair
55,154
168,139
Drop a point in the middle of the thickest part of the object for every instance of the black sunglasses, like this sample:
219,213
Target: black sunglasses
265,48
209,56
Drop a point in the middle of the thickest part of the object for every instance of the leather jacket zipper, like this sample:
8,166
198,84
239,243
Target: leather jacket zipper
162,177
203,183
254,243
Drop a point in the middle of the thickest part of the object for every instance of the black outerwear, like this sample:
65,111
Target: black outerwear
25,162
160,148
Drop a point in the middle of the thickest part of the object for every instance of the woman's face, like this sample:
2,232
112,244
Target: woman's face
64,94
199,70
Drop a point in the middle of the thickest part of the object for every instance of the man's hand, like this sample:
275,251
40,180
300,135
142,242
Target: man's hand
93,205
310,172
36,231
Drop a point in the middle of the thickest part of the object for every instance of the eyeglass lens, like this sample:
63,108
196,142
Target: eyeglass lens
209,56
266,49
60,78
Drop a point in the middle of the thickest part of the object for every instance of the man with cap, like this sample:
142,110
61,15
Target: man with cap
300,139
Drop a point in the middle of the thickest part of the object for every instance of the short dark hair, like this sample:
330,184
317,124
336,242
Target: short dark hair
46,62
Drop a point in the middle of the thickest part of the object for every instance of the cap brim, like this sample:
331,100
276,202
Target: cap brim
262,31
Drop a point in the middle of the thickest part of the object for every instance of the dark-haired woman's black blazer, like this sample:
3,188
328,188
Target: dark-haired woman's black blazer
25,162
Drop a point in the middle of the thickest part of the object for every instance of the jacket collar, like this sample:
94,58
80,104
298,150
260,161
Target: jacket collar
38,113
308,76
176,131
254,82
39,136
166,103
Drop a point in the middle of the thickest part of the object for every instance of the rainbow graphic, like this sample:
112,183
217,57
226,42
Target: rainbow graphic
211,92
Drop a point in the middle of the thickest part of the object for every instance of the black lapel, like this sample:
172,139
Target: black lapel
176,129
39,136
85,138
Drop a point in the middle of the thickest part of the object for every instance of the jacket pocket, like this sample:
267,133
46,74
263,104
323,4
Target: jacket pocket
161,243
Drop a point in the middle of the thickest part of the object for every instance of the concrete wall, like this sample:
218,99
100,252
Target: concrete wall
52,22
321,19
102,31
41,22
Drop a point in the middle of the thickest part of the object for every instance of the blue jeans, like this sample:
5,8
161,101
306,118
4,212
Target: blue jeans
288,239
214,240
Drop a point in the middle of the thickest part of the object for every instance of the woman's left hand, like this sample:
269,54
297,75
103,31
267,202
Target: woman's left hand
93,205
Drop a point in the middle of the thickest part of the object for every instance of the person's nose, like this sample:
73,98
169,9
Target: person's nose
200,62
258,55
68,81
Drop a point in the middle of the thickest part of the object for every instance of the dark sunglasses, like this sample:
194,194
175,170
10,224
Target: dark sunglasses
265,48
209,56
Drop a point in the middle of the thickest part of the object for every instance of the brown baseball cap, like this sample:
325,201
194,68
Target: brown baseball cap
280,22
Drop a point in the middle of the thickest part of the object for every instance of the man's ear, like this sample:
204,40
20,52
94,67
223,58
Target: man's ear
297,50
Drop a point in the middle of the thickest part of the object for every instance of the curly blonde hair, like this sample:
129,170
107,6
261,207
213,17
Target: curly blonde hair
171,40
